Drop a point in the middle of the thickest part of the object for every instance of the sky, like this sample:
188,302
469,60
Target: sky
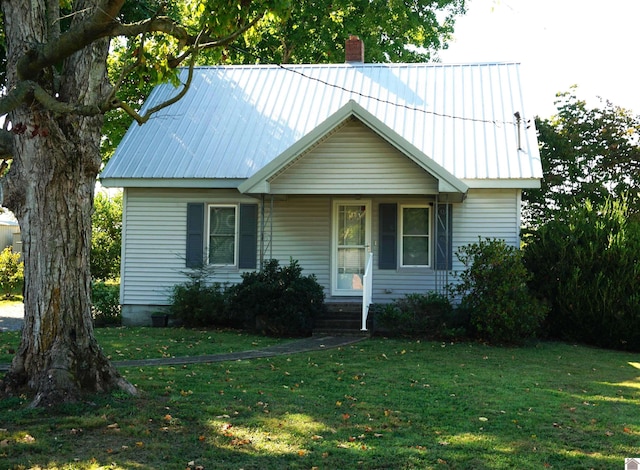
589,43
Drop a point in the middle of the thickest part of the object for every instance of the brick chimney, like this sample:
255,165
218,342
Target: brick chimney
354,49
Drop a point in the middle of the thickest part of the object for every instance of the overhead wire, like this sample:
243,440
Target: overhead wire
495,122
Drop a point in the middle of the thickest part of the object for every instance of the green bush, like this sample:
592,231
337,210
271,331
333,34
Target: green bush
586,265
11,273
105,303
278,300
199,302
494,291
417,315
106,237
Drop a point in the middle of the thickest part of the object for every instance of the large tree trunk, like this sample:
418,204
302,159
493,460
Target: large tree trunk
50,189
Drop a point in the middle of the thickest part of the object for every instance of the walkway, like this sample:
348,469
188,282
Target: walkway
293,347
11,319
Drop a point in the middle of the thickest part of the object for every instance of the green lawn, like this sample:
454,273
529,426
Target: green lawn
380,404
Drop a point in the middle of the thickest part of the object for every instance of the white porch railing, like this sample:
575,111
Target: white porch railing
367,289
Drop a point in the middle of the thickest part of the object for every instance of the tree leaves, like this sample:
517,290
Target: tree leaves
587,153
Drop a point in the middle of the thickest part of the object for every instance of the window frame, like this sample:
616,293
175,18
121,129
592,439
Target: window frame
429,235
236,234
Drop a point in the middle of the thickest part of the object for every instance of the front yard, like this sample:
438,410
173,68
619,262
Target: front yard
378,404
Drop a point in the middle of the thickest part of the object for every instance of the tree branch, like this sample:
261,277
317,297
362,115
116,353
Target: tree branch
80,35
141,119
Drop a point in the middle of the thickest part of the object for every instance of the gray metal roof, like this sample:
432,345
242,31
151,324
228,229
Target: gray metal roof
236,119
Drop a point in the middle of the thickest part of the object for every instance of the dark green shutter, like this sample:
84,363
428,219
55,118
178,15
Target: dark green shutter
444,244
195,235
388,255
248,236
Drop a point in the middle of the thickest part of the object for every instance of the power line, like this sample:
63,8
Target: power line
495,122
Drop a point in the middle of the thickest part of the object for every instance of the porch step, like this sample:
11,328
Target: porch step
344,318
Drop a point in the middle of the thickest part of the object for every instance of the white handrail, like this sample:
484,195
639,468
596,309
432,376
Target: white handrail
367,290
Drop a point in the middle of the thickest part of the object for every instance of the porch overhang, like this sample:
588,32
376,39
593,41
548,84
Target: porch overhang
260,183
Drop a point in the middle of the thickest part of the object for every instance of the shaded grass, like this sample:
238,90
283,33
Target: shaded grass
378,404
125,343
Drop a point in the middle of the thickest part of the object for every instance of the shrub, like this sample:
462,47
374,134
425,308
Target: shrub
11,273
105,303
586,265
198,302
106,237
278,300
416,315
494,291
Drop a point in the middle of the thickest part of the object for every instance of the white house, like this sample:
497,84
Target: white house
330,165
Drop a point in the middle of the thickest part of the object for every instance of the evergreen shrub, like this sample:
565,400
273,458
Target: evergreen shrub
493,290
587,266
415,314
105,303
198,302
278,300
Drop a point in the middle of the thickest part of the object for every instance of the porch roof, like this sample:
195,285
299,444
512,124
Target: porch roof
259,183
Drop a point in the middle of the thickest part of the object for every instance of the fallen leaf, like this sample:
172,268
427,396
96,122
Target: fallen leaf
316,438
301,453
346,416
4,443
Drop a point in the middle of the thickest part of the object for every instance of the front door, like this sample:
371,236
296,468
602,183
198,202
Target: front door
351,242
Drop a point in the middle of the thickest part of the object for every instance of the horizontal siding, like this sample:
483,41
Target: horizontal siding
354,160
154,241
302,231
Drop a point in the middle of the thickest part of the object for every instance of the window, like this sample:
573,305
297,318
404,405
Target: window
222,235
415,229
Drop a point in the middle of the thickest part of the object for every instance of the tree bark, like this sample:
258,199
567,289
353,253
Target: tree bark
49,188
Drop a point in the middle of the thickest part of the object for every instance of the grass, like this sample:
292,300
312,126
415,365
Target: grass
124,343
379,404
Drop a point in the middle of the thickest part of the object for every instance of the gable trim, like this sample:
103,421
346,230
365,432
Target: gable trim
259,182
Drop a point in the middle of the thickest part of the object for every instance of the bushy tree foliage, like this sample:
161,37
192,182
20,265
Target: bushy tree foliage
587,153
586,265
11,273
495,294
106,237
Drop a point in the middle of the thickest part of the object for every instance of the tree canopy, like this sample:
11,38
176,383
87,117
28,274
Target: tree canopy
588,153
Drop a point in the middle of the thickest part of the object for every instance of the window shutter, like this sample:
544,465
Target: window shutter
248,236
388,255
444,244
195,235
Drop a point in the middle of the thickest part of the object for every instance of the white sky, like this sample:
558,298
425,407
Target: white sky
589,43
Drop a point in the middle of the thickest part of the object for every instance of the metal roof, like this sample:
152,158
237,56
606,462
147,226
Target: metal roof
235,120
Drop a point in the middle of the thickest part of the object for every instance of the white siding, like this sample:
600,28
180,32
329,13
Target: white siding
354,160
302,231
154,241
154,238
485,214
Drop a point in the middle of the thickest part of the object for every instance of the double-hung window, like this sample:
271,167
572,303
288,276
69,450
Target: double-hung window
222,235
416,236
